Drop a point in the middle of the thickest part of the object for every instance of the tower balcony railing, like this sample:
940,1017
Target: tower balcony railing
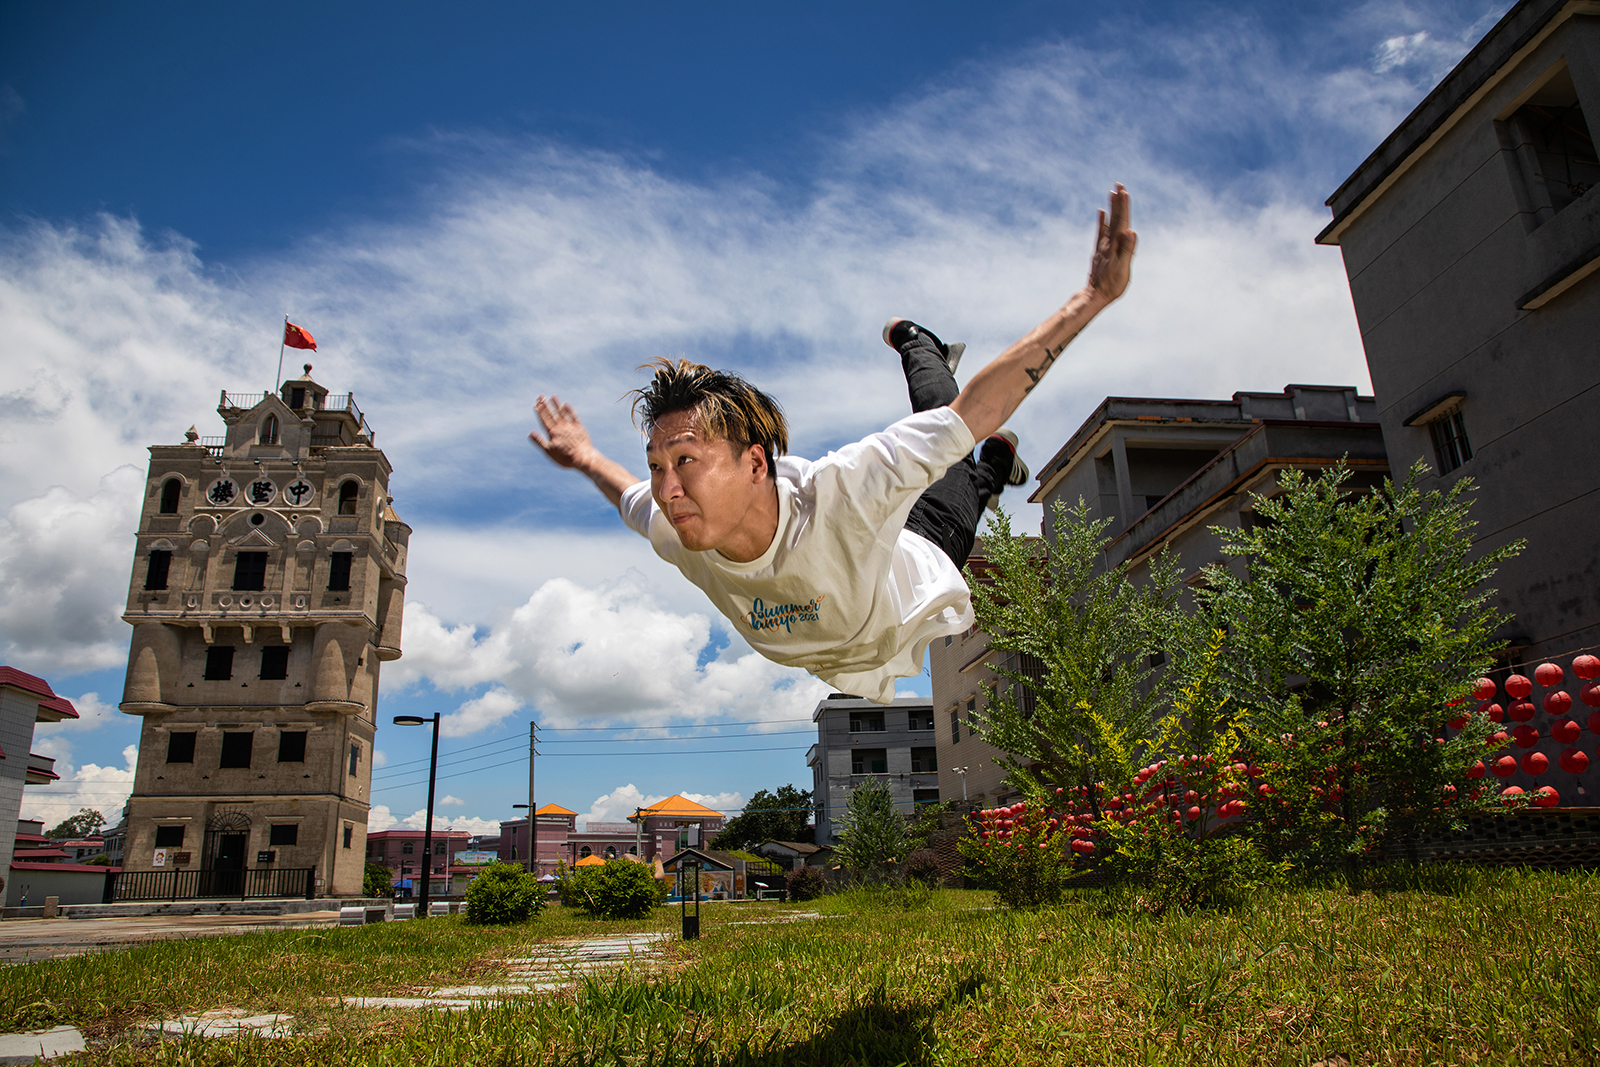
213,445
241,401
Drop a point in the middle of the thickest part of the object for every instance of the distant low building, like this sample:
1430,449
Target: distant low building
858,740
402,852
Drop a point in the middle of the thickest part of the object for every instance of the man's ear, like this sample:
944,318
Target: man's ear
755,458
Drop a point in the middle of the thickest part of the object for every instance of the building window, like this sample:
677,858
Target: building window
169,496
269,431
347,497
169,837
155,575
1450,444
275,663
408,848
611,852
585,852
250,571
180,747
339,571
236,748
920,797
955,726
925,761
922,720
866,722
219,663
869,761
291,746
297,397
355,759
287,833
438,848
349,834
1554,144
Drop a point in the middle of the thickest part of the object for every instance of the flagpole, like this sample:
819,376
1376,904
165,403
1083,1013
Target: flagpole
282,339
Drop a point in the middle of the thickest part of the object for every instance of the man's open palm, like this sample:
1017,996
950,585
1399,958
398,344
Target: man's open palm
1113,249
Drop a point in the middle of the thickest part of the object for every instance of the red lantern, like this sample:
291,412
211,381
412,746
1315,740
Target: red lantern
1518,686
1476,770
1548,675
1193,813
1521,710
1504,767
1495,712
1566,731
1546,797
1509,792
1586,667
1558,702
1590,694
1484,689
1525,736
1573,761
1500,737
1535,763
1594,722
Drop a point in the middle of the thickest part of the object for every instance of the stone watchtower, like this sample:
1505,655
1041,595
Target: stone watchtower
267,587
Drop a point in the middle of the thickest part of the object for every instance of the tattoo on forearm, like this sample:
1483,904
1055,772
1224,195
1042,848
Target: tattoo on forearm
1050,356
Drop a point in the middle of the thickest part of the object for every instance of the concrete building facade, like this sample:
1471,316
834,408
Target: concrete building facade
858,740
1471,239
267,589
25,701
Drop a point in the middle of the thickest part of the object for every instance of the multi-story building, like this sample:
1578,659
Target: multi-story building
1471,238
858,740
25,700
267,589
649,834
403,852
555,825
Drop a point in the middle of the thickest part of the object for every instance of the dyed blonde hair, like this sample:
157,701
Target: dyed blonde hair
725,406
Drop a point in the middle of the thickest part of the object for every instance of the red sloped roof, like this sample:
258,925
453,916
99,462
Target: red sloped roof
61,706
28,682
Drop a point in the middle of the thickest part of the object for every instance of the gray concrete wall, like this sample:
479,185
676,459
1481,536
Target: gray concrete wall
832,774
72,886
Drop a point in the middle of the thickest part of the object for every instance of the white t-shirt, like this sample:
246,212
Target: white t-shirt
844,590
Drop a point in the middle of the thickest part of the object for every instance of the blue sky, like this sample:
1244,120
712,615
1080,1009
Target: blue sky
472,205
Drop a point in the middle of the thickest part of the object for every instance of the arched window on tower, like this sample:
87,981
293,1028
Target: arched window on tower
347,498
169,496
269,431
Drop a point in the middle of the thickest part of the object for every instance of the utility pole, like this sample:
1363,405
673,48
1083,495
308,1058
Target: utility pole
533,818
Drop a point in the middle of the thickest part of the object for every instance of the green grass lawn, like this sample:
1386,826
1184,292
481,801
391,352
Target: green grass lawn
1481,967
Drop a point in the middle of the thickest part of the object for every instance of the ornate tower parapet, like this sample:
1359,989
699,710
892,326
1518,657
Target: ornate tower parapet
268,587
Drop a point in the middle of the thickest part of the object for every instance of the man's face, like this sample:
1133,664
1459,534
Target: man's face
703,486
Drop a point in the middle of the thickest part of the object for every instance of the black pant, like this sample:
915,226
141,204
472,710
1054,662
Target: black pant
948,511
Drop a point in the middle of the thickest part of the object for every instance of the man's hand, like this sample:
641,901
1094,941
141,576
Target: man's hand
567,444
1113,250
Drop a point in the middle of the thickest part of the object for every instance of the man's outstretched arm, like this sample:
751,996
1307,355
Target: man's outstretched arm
995,391
567,444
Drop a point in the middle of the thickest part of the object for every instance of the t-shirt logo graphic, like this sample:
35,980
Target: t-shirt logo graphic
760,617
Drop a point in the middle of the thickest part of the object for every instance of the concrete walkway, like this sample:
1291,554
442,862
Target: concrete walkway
24,940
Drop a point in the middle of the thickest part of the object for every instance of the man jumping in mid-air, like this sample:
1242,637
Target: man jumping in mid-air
850,566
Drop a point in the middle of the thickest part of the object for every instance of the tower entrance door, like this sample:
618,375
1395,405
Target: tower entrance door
227,845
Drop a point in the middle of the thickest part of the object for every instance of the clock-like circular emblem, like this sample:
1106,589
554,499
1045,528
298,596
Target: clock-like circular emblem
260,491
224,493
298,493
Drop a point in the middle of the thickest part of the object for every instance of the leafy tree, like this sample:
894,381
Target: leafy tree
378,881
1089,712
616,889
1364,618
503,893
874,838
86,822
778,816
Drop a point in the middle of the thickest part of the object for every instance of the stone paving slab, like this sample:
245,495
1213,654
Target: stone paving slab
30,1046
228,1022
408,1003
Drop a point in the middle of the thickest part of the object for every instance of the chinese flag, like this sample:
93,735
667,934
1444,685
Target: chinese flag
295,337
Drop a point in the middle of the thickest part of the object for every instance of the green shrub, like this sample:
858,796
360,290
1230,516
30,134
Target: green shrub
617,889
1022,858
378,881
503,893
922,867
806,883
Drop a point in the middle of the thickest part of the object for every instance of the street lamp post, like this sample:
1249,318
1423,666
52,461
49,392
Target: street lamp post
524,807
427,828
962,771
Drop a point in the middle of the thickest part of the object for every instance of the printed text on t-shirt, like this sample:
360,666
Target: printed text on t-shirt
761,617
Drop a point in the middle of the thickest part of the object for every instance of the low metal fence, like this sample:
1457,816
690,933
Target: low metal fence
211,885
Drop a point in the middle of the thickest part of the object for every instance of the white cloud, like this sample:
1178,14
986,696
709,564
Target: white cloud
104,789
452,802
612,654
381,818
380,758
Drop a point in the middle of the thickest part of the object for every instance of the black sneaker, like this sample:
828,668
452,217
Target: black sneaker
897,332
999,452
